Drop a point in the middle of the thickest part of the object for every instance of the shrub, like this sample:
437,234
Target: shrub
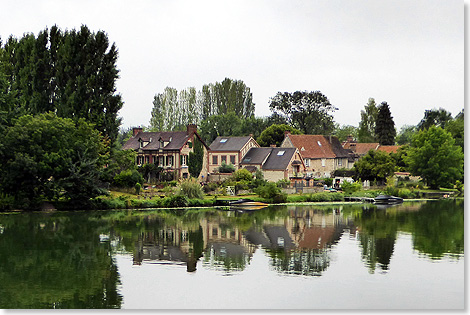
191,189
328,181
176,201
138,187
208,187
283,183
406,193
242,174
226,168
272,192
128,179
350,188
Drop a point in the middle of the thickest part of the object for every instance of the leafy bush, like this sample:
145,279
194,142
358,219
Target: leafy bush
350,188
176,201
226,168
128,178
138,187
208,187
328,181
191,189
406,193
272,192
242,174
283,183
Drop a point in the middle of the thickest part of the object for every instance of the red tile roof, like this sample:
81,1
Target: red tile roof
389,148
318,146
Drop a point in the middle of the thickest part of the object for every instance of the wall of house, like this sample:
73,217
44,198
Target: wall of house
212,168
274,176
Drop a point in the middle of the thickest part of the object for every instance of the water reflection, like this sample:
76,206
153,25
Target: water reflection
65,260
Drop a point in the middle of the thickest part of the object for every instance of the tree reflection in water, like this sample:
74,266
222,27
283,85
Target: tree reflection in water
65,259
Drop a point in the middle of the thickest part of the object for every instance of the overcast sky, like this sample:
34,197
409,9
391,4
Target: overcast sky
408,53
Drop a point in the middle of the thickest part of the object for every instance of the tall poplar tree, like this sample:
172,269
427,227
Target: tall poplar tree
385,126
72,73
366,132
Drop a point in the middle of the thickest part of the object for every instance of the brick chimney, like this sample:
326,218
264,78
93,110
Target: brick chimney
136,130
191,128
272,145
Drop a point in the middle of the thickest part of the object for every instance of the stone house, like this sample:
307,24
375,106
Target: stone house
322,155
275,163
228,150
167,149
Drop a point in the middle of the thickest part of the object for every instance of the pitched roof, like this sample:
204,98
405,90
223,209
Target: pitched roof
176,139
278,160
256,156
229,143
318,146
389,148
363,148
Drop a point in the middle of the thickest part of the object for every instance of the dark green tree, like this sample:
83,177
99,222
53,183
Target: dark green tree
308,112
366,132
275,135
434,156
48,158
435,117
195,158
375,165
72,73
385,126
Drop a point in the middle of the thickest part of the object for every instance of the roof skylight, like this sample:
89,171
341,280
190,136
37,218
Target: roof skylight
281,153
319,143
223,140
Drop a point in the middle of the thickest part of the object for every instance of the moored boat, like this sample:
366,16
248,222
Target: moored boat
386,199
247,204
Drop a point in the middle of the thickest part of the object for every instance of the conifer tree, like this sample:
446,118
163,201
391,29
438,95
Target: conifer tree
385,126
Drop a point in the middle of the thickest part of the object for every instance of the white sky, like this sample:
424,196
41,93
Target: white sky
408,53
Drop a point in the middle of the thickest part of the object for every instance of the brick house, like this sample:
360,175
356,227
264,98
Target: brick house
322,155
167,149
361,149
229,150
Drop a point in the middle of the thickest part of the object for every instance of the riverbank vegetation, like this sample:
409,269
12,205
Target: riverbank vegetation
61,143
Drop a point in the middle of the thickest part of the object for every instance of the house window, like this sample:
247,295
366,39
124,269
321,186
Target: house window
323,162
184,159
169,160
340,162
160,160
232,159
224,159
147,159
307,162
215,160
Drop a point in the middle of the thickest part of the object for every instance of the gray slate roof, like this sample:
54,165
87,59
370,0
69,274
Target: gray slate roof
231,144
274,161
178,139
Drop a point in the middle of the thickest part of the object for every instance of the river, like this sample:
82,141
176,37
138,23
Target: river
336,256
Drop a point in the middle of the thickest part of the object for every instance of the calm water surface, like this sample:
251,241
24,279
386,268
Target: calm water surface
283,257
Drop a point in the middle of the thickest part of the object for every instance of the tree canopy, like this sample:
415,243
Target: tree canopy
309,112
72,73
435,117
274,135
173,109
375,165
385,126
45,157
366,132
434,156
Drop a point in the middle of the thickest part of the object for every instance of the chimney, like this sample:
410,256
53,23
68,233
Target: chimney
136,130
286,133
251,135
191,128
272,145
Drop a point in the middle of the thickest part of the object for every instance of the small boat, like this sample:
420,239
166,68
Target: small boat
247,204
386,199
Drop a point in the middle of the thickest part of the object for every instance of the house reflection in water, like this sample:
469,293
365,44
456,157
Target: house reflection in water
297,244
